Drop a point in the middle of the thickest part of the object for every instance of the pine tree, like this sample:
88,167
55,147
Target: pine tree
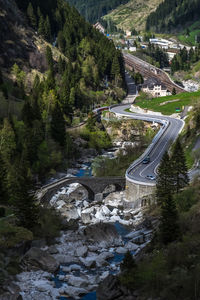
49,58
47,29
21,195
41,29
169,228
3,198
164,182
173,91
58,131
128,263
179,167
31,16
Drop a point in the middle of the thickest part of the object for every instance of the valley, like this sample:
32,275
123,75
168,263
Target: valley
99,150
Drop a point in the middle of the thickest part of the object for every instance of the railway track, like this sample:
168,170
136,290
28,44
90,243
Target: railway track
150,71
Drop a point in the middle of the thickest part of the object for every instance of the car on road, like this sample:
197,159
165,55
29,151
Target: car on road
151,177
146,160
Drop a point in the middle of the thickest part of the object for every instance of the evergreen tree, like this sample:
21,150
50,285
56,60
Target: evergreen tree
58,130
31,16
41,29
164,183
21,196
128,263
47,29
169,228
49,58
179,167
3,198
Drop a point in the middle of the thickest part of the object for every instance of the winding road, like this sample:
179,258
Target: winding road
169,131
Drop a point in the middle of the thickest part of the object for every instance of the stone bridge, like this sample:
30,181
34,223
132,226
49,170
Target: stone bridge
93,185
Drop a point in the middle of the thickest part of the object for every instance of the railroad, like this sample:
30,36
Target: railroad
149,71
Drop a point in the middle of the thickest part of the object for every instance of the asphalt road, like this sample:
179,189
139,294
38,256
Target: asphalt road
158,147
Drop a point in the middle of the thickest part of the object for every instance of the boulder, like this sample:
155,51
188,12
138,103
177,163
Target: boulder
88,262
110,288
65,259
101,232
131,246
76,281
36,258
53,250
81,251
72,291
121,250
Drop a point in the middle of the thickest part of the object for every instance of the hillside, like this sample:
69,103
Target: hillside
94,10
173,16
133,15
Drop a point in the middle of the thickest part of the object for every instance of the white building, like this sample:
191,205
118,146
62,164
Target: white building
132,49
158,90
99,27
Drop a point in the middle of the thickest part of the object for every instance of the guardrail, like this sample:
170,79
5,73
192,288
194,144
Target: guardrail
165,124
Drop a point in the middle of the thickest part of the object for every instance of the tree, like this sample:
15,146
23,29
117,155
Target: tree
128,263
47,29
173,91
49,58
41,29
179,167
31,16
21,195
58,131
169,228
164,182
7,143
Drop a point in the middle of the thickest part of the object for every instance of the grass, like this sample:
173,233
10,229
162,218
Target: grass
168,108
194,30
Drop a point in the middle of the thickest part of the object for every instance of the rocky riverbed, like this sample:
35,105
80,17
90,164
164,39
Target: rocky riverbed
84,257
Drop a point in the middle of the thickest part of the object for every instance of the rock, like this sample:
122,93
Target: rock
93,248
101,232
76,281
131,246
109,289
11,291
42,286
106,210
73,292
65,259
36,258
89,262
39,243
71,213
138,239
114,212
81,251
53,250
106,255
133,234
104,275
121,250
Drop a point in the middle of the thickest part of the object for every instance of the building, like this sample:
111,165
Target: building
128,33
157,90
132,48
172,52
99,27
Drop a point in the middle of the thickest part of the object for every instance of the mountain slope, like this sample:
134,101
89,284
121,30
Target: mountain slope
173,15
94,10
133,15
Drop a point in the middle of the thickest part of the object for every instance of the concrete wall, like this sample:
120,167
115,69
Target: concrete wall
138,195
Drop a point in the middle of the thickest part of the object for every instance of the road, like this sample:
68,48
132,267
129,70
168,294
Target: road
170,128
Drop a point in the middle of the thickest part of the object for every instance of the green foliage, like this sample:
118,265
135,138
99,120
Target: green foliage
11,235
179,167
94,10
173,15
49,224
128,262
2,212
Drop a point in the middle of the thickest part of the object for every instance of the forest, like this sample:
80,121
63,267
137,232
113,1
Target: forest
34,142
173,15
94,10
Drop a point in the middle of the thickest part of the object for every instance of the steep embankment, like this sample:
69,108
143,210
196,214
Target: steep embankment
133,15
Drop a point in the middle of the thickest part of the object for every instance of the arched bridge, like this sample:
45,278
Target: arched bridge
94,185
